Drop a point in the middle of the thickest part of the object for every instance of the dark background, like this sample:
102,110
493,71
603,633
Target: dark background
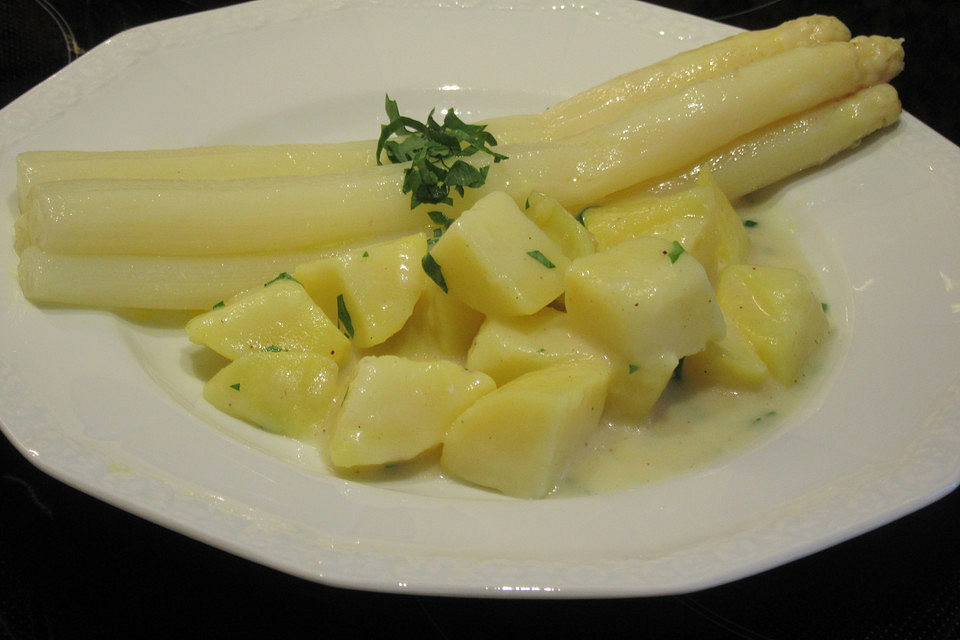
73,567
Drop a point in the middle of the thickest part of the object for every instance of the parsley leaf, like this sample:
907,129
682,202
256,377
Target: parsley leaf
675,251
432,269
542,259
343,317
272,347
219,305
282,276
235,387
429,148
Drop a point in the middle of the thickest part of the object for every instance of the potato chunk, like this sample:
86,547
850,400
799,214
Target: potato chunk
370,291
561,227
635,388
279,315
731,362
644,299
286,393
505,348
441,327
520,438
497,261
395,409
700,218
778,314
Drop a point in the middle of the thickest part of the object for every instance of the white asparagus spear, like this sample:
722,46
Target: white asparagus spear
787,147
592,107
289,214
173,282
617,97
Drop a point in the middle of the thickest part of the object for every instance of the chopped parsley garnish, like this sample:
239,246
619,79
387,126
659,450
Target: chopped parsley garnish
526,205
272,347
580,215
434,151
750,223
343,317
440,219
282,276
824,306
366,254
542,259
768,414
675,251
235,387
632,368
541,350
435,238
220,305
432,269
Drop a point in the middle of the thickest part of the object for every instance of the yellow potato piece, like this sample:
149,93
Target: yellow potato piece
731,362
506,348
497,261
700,218
777,312
520,438
286,393
280,314
371,291
394,409
561,227
643,299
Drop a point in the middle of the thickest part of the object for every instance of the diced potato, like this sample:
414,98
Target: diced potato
561,227
441,327
635,388
509,347
644,299
497,261
520,438
395,409
286,393
732,362
700,218
370,291
279,315
734,244
778,314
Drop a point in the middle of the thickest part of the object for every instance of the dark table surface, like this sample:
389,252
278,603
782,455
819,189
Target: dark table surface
71,566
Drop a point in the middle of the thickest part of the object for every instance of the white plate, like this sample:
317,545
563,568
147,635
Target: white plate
113,407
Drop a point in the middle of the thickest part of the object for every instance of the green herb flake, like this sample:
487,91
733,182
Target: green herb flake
676,250
273,348
440,219
366,254
580,215
750,223
541,350
632,368
343,317
432,269
768,414
542,259
220,305
526,205
433,149
824,306
235,387
283,276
